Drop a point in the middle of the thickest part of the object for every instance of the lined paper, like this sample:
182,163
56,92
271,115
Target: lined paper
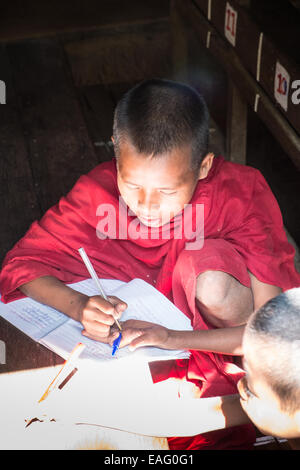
60,333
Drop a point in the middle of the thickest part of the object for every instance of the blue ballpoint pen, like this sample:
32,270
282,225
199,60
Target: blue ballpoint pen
116,344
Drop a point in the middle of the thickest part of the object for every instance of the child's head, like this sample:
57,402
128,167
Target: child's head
160,135
270,392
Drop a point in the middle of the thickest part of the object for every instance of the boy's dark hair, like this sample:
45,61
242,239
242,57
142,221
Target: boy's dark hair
277,325
157,116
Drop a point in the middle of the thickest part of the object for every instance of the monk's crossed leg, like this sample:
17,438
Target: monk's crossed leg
218,278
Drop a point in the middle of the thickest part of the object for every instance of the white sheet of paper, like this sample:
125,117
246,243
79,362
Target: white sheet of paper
37,320
59,333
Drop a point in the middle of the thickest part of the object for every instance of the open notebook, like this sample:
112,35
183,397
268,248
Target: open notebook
60,333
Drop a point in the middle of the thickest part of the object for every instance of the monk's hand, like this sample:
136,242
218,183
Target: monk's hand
97,316
138,333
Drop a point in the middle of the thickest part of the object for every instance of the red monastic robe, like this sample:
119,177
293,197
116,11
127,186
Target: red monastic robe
242,231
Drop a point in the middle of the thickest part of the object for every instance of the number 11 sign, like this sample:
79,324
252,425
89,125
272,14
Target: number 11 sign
230,23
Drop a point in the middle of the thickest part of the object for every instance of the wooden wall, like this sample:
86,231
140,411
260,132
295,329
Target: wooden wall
64,74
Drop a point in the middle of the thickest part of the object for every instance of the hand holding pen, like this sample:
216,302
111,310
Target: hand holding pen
98,316
100,313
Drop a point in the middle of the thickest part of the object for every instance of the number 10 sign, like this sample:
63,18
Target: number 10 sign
281,85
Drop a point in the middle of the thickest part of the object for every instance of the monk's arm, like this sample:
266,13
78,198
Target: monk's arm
96,314
137,333
51,291
218,340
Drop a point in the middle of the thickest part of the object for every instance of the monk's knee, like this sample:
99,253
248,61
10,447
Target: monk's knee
222,300
212,288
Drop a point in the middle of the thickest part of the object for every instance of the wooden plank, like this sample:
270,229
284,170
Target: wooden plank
98,108
117,90
179,45
19,204
207,75
205,7
279,21
21,352
265,154
295,3
278,73
247,42
120,54
19,20
236,135
252,92
216,139
19,207
261,42
218,16
58,143
236,26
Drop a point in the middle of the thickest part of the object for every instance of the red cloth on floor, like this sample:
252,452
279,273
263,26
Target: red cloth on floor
238,208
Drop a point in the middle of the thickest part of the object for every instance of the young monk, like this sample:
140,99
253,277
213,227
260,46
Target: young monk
129,215
269,391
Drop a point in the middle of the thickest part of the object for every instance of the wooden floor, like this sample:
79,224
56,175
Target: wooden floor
55,126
